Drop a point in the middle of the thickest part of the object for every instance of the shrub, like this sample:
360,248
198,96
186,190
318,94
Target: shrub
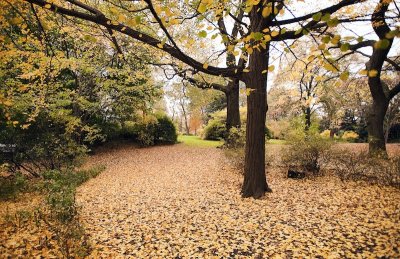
236,138
60,187
44,145
154,130
165,131
11,185
350,136
308,150
361,166
128,130
268,133
215,130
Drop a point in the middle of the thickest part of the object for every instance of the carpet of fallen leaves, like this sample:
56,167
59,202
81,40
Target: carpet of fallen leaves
179,201
22,234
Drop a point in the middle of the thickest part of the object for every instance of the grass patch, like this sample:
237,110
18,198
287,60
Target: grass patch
196,141
276,141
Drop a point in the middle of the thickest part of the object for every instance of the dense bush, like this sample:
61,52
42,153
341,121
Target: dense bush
45,144
166,131
215,130
158,129
11,185
308,150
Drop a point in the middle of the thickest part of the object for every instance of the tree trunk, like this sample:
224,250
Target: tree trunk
232,101
307,112
331,134
376,116
255,183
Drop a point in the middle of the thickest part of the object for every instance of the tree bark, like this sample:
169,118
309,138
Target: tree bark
331,134
376,137
232,108
255,183
307,112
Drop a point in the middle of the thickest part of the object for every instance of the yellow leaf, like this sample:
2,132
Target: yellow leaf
322,46
264,71
372,73
271,68
344,76
202,8
266,11
330,67
274,33
205,65
246,70
47,6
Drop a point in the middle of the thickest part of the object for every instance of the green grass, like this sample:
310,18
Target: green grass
195,141
276,141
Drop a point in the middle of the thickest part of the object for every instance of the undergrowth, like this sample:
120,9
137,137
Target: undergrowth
60,211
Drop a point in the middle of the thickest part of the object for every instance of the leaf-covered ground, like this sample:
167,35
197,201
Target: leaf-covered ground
181,201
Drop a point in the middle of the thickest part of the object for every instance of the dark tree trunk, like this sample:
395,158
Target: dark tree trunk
232,101
376,137
255,183
331,134
307,112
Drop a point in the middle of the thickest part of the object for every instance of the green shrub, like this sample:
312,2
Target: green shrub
165,131
146,131
152,130
215,130
11,185
308,150
129,130
44,145
236,138
60,187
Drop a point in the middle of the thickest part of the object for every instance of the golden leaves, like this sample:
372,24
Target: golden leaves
183,201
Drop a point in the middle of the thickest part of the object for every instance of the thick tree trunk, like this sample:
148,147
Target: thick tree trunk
255,183
232,101
376,137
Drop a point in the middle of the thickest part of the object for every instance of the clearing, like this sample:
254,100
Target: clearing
184,201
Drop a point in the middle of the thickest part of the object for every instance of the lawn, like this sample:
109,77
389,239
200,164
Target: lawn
196,141
276,141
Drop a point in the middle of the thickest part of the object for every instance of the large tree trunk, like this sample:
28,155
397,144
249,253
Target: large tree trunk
376,137
255,183
232,101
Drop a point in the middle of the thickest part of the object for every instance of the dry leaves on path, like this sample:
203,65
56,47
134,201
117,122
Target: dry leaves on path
179,201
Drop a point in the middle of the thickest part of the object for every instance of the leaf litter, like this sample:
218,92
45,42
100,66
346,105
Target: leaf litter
183,202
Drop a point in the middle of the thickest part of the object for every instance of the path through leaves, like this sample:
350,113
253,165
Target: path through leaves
179,201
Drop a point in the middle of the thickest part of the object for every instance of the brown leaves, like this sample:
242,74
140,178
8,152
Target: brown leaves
183,201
